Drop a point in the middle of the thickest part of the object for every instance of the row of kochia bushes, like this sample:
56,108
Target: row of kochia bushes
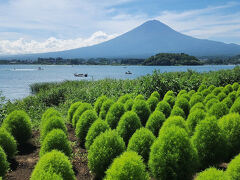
173,137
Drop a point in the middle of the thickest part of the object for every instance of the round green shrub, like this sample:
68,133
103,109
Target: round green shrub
221,96
228,101
197,106
209,141
72,110
195,99
164,107
114,114
123,99
170,93
211,174
141,142
54,122
105,148
183,104
128,166
19,125
235,86
49,175
182,92
3,163
156,94
98,104
230,126
219,110
172,155
155,122
139,97
209,97
8,143
55,161
190,93
228,88
174,121
152,103
143,111
127,125
233,169
184,96
232,95
56,139
84,123
177,111
105,108
128,105
98,127
206,92
194,118
236,106
211,88
48,114
170,100
81,109
211,102
216,91
202,87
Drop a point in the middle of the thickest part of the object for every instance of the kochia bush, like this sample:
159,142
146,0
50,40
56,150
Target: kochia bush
206,92
155,122
139,97
114,114
177,111
194,118
105,148
105,107
202,87
141,141
170,100
236,106
164,107
233,169
169,93
19,125
195,99
211,174
183,104
81,109
128,105
72,110
48,114
3,163
98,127
48,175
235,86
209,97
166,156
196,107
216,91
124,98
98,104
8,143
228,101
127,125
211,102
219,110
143,111
55,161
221,96
156,94
84,123
56,139
152,103
128,166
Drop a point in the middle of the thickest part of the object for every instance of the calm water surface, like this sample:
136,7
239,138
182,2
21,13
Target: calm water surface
15,79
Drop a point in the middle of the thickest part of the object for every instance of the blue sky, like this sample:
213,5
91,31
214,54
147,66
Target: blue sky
28,26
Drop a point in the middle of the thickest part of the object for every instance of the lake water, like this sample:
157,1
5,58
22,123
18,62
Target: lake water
15,79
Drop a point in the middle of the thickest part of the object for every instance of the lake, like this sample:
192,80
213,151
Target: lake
15,79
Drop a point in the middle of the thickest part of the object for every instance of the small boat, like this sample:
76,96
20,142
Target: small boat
80,75
128,72
39,68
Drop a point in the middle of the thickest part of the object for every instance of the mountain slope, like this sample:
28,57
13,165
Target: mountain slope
150,38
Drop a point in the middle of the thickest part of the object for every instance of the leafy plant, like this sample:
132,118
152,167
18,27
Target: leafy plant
8,143
3,163
80,110
211,174
155,122
140,107
72,110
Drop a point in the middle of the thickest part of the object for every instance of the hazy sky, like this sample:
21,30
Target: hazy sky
28,26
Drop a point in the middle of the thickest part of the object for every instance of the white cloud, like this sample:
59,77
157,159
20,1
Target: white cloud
22,46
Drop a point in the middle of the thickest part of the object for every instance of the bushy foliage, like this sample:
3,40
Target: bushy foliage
72,110
55,161
230,126
211,174
105,107
139,97
164,107
221,96
174,121
83,125
123,99
156,94
177,111
209,97
194,118
48,114
169,93
209,141
152,103
56,139
19,125
211,102
211,88
233,169
8,143
206,92
128,105
192,92
202,87
155,122
140,107
197,106
54,122
48,175
98,127
127,125
185,95
105,148
141,142
98,104
166,156
128,166
235,86
114,114
236,106
228,101
181,92
170,100
80,110
195,99
228,88
219,110
232,95
216,91
183,104
3,163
